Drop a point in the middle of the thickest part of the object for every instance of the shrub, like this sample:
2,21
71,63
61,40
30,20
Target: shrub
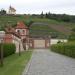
8,49
59,41
65,48
72,35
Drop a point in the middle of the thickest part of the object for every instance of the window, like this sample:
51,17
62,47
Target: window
18,31
23,31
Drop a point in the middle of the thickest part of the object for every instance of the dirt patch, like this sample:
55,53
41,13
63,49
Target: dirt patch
62,29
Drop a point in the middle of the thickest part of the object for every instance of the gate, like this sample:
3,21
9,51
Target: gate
39,43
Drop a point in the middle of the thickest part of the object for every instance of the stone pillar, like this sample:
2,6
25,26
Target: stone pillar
32,43
45,43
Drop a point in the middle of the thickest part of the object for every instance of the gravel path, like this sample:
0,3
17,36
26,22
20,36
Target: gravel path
44,62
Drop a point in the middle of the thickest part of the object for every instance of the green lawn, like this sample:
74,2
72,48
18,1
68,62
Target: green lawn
15,64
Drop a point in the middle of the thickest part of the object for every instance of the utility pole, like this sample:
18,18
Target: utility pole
1,51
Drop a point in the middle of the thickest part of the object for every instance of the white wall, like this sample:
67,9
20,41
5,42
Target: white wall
21,31
2,34
18,42
54,41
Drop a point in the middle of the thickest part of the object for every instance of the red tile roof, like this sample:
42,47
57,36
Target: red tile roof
21,25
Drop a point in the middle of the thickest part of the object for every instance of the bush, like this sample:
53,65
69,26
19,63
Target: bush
65,48
71,37
8,49
59,41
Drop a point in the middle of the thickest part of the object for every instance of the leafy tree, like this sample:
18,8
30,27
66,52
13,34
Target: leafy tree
65,18
2,12
28,22
72,35
42,15
73,30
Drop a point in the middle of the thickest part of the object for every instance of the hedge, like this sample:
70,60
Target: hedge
65,48
8,49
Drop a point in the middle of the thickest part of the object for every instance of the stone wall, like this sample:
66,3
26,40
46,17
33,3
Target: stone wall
54,41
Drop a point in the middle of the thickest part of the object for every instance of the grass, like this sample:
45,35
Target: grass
50,21
14,19
40,28
15,64
68,25
46,26
11,20
43,29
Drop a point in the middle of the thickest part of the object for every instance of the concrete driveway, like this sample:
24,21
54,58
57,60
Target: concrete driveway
45,62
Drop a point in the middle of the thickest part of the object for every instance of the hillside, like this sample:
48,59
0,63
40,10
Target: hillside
11,20
43,29
40,27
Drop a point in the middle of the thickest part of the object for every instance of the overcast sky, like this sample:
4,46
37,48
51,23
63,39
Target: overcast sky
37,6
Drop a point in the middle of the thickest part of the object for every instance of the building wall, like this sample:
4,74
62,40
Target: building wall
22,32
8,38
54,41
11,12
17,41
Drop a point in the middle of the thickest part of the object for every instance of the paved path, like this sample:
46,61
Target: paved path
44,62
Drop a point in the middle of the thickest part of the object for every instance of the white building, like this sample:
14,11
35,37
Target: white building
11,10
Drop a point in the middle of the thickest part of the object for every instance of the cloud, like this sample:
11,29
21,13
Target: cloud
36,6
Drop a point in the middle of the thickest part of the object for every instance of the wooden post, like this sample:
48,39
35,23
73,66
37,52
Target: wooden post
19,50
1,57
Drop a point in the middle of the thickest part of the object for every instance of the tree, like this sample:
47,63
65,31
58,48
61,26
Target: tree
2,12
49,15
28,22
65,18
72,35
46,15
42,15
73,29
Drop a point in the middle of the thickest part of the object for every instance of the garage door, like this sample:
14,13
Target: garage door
39,43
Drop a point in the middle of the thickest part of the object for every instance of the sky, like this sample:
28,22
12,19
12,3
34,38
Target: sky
37,6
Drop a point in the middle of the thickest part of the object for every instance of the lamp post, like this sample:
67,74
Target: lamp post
1,51
19,50
49,40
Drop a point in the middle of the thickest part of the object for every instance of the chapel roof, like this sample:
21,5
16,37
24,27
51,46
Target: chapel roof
11,8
